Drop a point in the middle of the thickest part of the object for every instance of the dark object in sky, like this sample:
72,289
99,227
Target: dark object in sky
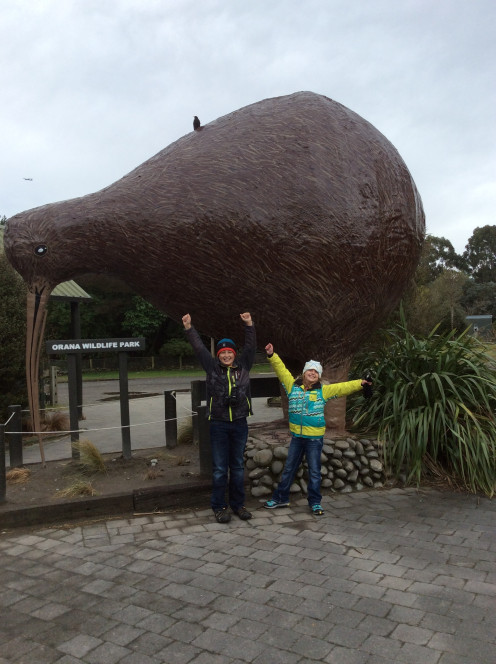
294,208
196,123
30,179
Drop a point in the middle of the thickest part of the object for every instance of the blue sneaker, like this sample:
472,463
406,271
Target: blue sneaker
317,510
271,504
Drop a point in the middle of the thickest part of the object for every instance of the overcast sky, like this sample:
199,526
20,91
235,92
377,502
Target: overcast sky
92,88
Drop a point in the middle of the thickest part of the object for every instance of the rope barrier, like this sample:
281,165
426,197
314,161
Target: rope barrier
190,413
11,416
128,426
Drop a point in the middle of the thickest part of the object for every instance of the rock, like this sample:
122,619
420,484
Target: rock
281,453
259,491
353,476
346,465
376,465
256,474
263,458
260,445
341,445
267,480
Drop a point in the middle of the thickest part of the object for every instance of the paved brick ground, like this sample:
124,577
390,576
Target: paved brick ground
384,577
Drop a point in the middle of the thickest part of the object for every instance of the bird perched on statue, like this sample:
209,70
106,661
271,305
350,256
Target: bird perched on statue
196,123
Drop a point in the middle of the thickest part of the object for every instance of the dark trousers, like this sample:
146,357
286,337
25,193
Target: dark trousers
228,441
311,448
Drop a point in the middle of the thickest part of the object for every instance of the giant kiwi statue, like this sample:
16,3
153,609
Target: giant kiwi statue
293,208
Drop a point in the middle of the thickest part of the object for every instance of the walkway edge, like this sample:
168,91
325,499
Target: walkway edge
125,504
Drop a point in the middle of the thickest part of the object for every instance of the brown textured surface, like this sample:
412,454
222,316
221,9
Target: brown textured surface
294,208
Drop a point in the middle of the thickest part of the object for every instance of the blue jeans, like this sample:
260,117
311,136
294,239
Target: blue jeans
228,441
311,448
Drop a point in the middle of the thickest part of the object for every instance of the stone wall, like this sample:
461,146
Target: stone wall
348,464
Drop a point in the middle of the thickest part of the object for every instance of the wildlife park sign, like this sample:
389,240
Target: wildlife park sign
73,347
94,345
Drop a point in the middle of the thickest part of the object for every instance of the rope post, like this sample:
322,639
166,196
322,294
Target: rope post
124,401
170,419
197,396
15,438
205,448
73,405
3,479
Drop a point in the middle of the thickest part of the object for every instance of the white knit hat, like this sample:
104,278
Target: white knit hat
312,364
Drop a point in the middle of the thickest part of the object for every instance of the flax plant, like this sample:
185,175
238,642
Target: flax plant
434,402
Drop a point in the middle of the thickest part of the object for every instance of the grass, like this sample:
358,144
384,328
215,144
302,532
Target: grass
433,406
55,421
79,487
17,475
185,433
490,350
91,459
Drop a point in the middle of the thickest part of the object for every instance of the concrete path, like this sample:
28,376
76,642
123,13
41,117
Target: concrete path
385,577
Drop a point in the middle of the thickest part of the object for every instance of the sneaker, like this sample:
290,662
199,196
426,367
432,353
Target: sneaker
271,504
317,510
243,513
223,515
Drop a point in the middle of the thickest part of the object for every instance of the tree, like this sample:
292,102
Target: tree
3,220
437,303
480,254
437,255
12,338
142,319
177,348
447,292
479,299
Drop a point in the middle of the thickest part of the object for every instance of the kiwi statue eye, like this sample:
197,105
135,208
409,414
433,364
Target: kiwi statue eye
41,250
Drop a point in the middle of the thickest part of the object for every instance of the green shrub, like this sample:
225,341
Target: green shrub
434,402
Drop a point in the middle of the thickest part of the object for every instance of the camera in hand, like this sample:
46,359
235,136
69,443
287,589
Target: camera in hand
367,389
